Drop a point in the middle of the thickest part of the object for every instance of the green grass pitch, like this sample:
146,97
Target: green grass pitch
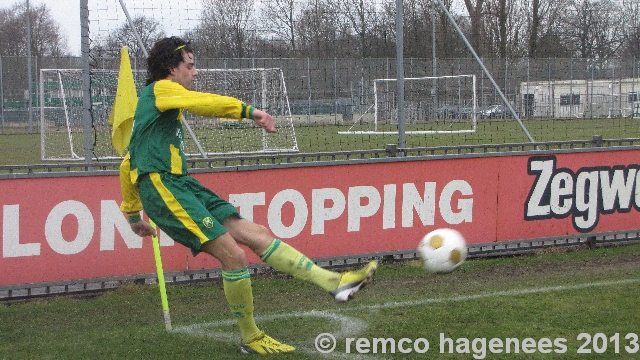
552,295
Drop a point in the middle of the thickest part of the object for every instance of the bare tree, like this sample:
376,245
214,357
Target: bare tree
631,29
12,36
544,29
502,28
149,30
46,39
418,30
505,28
227,29
593,28
282,16
417,27
360,18
318,30
534,26
385,31
448,42
475,11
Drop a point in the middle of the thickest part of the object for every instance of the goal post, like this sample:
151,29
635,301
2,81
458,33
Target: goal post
61,116
432,105
62,131
264,88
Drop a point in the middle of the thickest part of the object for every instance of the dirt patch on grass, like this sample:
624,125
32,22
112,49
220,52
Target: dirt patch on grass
602,262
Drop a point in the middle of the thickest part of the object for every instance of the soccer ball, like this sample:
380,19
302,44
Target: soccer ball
442,250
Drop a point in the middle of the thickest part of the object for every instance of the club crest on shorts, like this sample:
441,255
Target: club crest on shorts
207,222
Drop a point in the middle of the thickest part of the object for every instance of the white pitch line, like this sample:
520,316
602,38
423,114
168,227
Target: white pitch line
350,326
490,295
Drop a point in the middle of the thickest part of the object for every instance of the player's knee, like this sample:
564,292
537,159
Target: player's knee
237,258
233,259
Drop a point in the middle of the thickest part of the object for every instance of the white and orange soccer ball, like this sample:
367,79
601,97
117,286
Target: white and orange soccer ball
442,250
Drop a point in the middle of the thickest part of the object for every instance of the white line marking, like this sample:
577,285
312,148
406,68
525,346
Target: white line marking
492,294
350,327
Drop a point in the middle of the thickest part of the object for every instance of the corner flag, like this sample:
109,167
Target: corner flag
124,105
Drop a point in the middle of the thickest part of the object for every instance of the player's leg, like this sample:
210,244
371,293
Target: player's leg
236,282
283,257
260,240
278,254
237,289
172,203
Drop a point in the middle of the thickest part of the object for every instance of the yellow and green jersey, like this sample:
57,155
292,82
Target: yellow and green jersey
157,138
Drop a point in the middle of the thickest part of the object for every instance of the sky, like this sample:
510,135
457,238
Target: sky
66,13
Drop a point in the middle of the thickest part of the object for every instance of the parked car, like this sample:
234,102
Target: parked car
493,112
466,113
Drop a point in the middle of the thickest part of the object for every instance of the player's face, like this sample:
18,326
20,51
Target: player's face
185,72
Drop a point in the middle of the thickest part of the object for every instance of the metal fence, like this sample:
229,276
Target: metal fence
341,90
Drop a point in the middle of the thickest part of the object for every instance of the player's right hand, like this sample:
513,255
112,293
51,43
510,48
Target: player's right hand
264,120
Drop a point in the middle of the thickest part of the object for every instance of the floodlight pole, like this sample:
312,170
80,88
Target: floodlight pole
29,72
434,88
402,143
1,96
495,85
146,54
87,118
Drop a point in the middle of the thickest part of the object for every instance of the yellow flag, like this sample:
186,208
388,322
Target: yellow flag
124,105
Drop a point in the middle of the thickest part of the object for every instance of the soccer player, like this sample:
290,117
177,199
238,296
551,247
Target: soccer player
153,176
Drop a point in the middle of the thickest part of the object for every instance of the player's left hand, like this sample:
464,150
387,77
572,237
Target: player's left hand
143,228
264,120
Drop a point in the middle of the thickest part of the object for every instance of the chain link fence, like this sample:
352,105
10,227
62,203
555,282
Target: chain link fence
558,99
330,55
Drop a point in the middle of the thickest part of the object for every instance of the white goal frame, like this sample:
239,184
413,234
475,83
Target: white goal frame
62,130
375,131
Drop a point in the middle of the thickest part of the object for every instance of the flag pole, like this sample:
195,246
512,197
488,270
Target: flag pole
161,283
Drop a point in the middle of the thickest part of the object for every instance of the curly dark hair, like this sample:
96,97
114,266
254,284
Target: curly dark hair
165,55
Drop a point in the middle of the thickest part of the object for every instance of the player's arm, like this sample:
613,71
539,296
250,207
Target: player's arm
131,204
171,95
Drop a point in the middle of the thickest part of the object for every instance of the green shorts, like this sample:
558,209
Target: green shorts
184,209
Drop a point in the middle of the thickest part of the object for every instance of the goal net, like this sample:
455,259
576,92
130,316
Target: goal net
432,105
61,120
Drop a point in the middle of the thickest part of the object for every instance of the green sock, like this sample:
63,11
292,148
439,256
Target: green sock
237,289
282,257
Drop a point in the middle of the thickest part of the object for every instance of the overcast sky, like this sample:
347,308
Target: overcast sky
67,14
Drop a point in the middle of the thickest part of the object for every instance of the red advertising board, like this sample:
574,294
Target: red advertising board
67,228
